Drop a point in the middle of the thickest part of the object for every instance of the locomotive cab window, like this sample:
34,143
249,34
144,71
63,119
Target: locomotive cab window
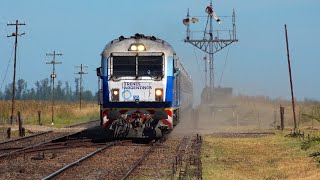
150,66
124,66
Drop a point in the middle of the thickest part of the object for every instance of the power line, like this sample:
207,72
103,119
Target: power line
5,75
195,54
14,34
81,73
224,67
53,76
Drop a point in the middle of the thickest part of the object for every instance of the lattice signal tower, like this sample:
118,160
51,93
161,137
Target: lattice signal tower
212,40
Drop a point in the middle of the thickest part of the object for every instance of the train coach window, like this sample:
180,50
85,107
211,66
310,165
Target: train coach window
124,66
150,66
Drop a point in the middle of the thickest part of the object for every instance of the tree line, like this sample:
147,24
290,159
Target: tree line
43,91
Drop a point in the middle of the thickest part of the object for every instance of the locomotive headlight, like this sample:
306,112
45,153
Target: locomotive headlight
159,94
133,48
141,47
137,47
115,95
115,92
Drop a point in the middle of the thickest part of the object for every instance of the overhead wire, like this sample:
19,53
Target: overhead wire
198,65
224,67
5,75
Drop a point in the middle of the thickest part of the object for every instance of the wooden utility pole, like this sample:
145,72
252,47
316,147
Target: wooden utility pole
53,76
81,73
291,86
15,34
281,118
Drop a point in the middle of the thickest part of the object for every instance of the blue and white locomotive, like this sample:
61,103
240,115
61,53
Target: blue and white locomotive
144,87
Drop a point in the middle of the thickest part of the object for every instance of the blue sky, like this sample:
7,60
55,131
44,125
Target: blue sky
256,65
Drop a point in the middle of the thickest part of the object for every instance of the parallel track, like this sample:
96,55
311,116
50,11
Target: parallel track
24,147
78,161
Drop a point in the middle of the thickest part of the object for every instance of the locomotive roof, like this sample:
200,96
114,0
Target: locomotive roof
138,37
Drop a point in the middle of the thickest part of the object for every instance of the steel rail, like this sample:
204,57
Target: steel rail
26,137
78,161
79,124
136,164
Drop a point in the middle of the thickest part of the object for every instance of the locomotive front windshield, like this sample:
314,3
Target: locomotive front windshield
124,66
137,66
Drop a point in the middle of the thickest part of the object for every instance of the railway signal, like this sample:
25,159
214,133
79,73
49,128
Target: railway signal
14,34
81,73
211,41
53,76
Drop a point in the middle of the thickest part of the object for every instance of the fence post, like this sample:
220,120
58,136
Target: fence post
9,132
39,118
20,124
275,119
259,122
282,118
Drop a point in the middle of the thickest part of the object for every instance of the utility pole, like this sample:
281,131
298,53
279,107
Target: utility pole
15,34
211,41
53,76
291,85
81,73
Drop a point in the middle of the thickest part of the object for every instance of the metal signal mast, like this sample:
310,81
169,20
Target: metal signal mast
81,73
14,34
53,76
212,40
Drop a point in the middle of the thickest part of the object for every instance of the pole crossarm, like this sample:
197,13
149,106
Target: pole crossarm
53,62
204,45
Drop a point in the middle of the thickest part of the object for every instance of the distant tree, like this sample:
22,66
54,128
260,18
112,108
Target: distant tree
21,86
67,91
45,92
1,95
42,91
87,96
76,93
59,94
8,92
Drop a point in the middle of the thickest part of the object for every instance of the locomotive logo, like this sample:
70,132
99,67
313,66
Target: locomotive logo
126,94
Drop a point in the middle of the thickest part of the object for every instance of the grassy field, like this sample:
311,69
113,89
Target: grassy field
272,157
64,113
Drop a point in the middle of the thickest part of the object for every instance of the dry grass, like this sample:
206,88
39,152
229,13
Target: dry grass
256,113
65,113
273,157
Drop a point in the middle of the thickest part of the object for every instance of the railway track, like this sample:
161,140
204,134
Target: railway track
15,146
79,125
122,165
109,160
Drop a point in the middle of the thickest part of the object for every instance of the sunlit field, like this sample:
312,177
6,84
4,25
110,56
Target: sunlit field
64,113
273,157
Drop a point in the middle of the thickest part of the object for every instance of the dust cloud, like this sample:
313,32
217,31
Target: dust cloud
233,114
